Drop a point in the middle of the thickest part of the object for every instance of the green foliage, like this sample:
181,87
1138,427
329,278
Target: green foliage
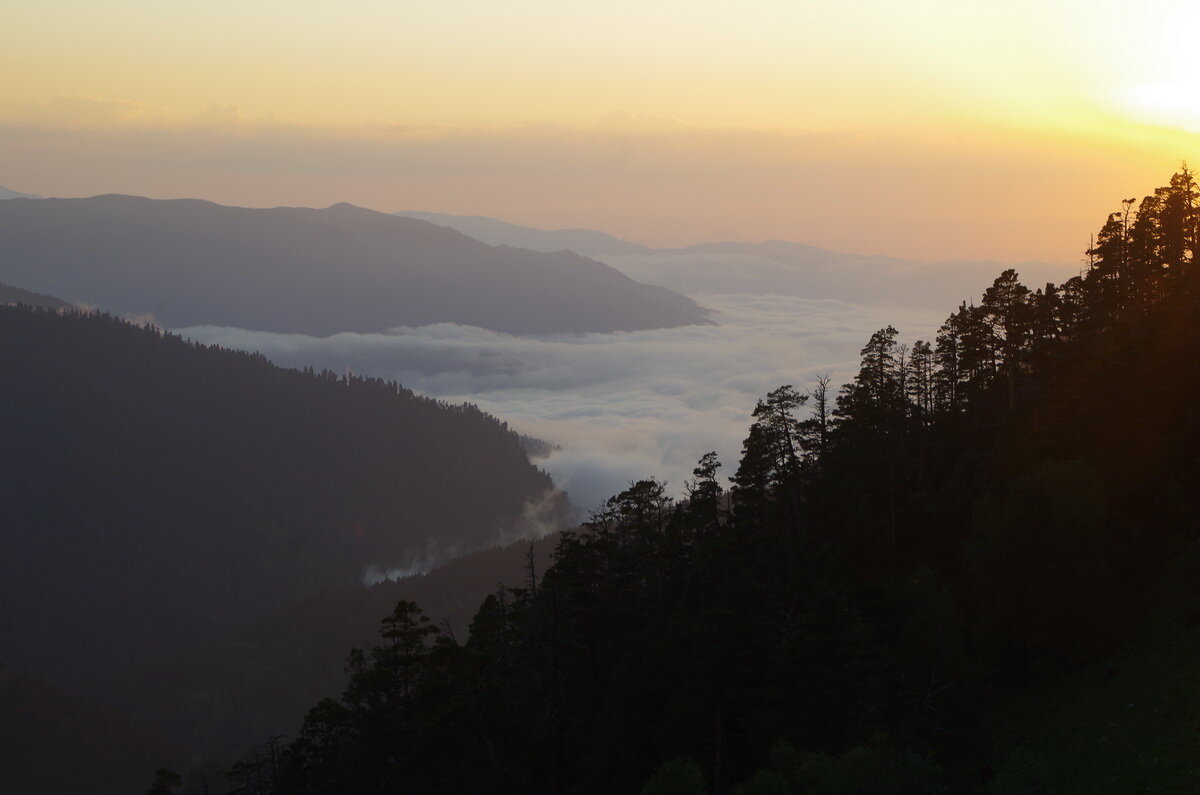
1124,723
877,767
765,782
165,782
677,777
1021,773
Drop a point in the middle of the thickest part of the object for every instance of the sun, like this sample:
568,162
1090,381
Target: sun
1158,80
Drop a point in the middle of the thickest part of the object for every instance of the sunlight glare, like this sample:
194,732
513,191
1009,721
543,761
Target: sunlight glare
1162,84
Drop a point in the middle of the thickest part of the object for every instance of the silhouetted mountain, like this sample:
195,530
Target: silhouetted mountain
298,270
588,242
15,295
5,193
777,267
159,494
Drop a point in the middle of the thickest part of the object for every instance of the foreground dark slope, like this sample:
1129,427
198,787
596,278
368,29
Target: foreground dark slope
236,692
258,682
299,270
157,494
56,742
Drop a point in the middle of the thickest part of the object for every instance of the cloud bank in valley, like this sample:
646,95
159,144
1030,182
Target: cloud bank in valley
620,406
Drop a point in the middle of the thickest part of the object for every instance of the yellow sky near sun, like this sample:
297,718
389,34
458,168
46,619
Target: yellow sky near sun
731,96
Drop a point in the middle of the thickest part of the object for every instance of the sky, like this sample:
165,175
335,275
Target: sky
925,129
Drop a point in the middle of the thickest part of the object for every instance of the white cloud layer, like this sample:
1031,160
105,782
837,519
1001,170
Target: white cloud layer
621,406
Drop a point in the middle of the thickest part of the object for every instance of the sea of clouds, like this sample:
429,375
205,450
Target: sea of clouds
620,406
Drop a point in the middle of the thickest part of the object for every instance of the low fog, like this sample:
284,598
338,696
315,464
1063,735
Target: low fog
620,406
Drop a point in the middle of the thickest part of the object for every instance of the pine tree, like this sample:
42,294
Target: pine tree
875,400
1006,315
920,384
705,494
814,431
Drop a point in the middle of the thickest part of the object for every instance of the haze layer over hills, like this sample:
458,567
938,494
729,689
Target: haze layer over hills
588,242
773,267
318,272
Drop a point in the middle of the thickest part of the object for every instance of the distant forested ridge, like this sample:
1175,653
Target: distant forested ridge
588,242
892,562
6,193
157,494
15,295
308,271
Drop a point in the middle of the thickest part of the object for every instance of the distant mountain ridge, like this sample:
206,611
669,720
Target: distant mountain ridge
587,242
297,270
5,193
779,267
10,295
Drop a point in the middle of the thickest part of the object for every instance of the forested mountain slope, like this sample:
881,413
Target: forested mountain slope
970,517
157,494
318,272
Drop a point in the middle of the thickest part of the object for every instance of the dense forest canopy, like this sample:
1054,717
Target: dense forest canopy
969,513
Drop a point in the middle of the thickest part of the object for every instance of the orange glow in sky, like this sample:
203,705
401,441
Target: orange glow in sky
921,128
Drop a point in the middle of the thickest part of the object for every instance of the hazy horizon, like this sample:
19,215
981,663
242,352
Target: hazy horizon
664,189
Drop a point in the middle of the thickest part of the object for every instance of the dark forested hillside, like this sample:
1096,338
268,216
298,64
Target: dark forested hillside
219,701
968,520
298,270
156,494
258,681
